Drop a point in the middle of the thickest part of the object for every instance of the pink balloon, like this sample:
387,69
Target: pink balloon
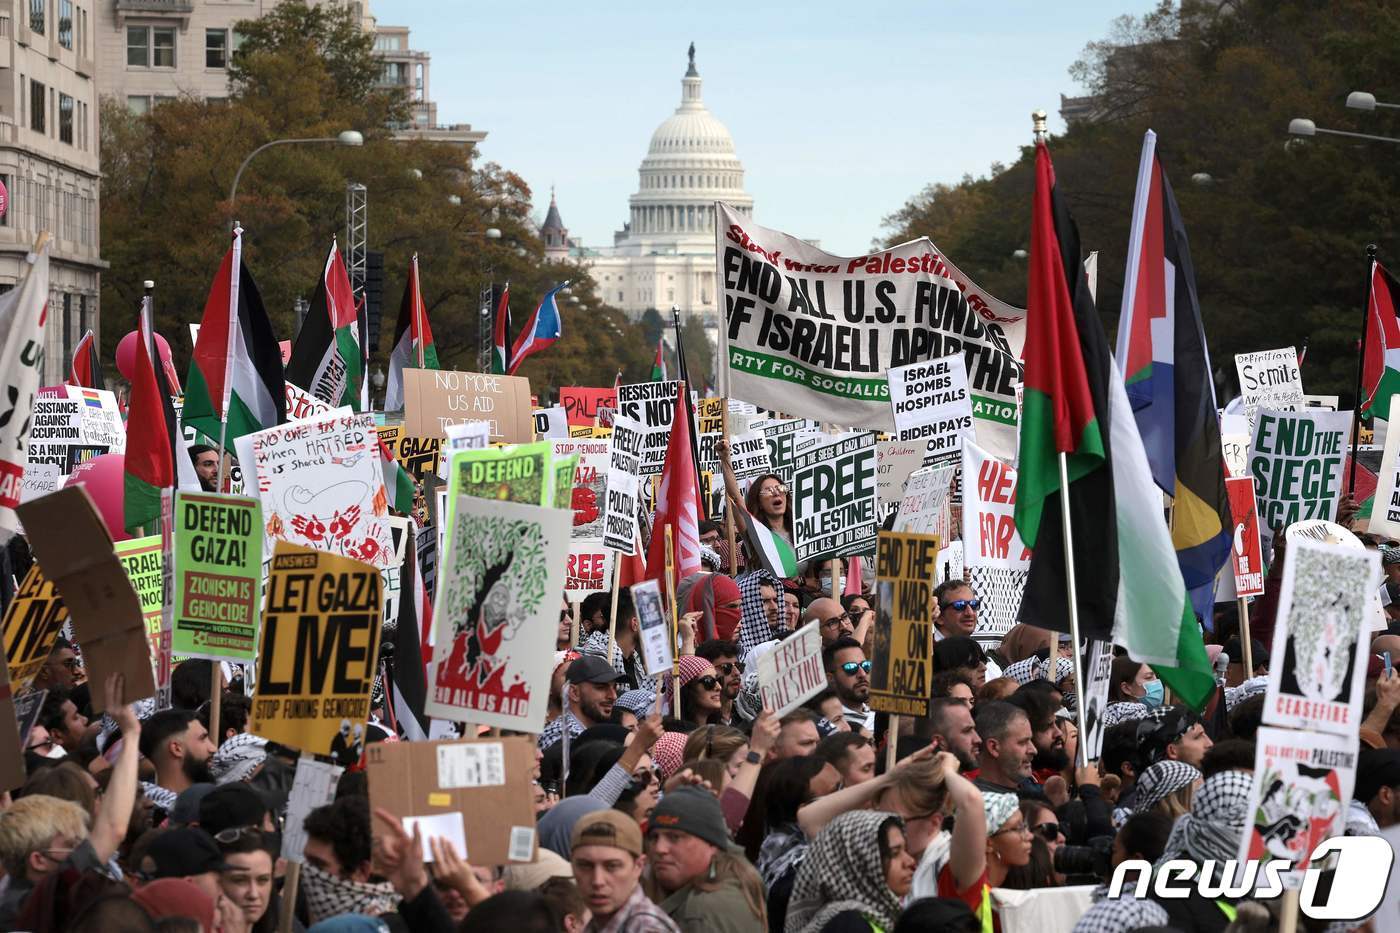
126,352
105,481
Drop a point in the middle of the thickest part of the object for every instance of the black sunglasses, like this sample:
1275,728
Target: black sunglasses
1048,831
729,667
709,681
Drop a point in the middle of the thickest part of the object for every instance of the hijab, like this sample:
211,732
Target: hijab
844,871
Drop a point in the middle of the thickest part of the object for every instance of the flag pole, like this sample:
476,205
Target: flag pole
612,617
728,506
675,624
417,322
1080,750
1361,363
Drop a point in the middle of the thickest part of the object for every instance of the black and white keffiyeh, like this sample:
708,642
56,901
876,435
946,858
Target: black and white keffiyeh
843,871
328,896
1161,779
238,758
754,628
1216,824
1123,711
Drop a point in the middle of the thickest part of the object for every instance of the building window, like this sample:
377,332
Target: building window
138,104
36,16
65,119
150,46
138,46
65,23
38,106
163,47
216,48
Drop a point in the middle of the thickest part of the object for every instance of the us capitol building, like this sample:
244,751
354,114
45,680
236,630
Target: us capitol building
664,254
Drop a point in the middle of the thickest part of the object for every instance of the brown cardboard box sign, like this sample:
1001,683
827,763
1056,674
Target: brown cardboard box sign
486,781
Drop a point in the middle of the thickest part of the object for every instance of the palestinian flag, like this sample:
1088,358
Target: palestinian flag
658,365
772,550
235,373
498,302
86,370
397,483
1129,587
150,437
1380,358
413,340
327,360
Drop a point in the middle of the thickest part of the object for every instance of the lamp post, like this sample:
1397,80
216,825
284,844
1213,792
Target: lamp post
346,138
1304,128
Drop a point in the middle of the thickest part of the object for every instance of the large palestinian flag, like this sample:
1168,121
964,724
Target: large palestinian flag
326,359
413,340
236,369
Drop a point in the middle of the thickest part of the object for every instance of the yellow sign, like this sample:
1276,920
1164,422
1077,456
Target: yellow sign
901,665
31,624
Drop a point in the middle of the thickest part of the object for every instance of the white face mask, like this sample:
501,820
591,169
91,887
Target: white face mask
826,583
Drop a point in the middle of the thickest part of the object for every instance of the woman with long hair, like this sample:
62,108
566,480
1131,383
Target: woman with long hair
858,869
701,688
1133,691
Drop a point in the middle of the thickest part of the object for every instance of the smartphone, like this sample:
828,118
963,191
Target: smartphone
1385,657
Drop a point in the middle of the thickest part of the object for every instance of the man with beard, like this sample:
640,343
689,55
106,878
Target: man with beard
954,731
590,689
849,674
724,655
178,745
1050,757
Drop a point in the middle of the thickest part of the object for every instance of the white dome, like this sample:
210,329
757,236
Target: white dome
691,130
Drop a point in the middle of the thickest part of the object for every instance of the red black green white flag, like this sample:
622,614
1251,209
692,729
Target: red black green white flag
327,359
86,370
413,339
154,450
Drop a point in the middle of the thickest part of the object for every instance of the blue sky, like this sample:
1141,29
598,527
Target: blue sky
839,112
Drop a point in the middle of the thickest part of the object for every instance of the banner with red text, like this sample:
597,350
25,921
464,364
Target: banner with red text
990,538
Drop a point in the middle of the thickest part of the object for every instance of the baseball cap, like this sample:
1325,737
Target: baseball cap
591,669
176,853
176,897
607,828
694,811
229,806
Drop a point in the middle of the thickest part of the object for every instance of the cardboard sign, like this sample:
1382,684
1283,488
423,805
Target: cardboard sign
32,620
748,455
1385,512
218,576
622,498
313,786
419,456
1270,379
319,652
496,613
482,784
989,534
71,543
656,641
1098,676
792,673
144,560
1302,787
833,494
901,665
1318,671
581,403
1296,459
322,487
1246,552
11,742
931,403
436,398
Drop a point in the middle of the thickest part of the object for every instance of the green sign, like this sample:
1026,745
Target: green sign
145,564
217,576
564,467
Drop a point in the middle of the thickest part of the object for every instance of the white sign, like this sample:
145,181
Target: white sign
748,455
894,462
624,462
1097,676
923,509
313,786
1270,379
931,403
656,629
792,673
989,530
833,497
1385,508
551,422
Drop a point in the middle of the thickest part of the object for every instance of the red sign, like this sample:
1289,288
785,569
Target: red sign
1246,554
581,404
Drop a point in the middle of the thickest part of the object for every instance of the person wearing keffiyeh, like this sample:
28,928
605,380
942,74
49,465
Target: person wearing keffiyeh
762,620
1161,780
856,865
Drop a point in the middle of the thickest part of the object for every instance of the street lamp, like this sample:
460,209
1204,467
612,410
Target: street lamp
1303,127
1365,100
346,138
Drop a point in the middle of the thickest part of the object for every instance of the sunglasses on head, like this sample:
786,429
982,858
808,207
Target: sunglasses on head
962,605
1048,831
850,667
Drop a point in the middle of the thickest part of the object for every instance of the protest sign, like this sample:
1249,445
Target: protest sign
399,530
32,620
657,643
419,456
833,494
1385,511
924,506
71,543
781,437
624,462
1270,379
56,425
1301,789
1296,460
561,492
709,430
901,664
40,479
792,673
144,560
481,788
931,403
101,418
496,613
590,485
217,575
313,786
551,422
1318,672
651,403
11,743
468,435
322,486
950,562
1098,676
589,570
748,455
581,403
989,534
436,398
894,462
302,404
1235,450
521,473
1246,552
319,652
814,334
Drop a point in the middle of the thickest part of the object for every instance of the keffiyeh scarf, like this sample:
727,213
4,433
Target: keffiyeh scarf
754,629
843,871
1216,823
329,896
238,758
783,848
1160,780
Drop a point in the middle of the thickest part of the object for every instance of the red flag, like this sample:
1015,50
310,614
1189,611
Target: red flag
86,370
149,465
677,503
634,568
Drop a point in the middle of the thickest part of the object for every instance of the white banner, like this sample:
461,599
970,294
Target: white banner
833,497
814,334
990,538
931,403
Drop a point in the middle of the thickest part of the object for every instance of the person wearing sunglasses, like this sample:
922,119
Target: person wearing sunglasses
957,609
63,668
701,690
724,655
849,674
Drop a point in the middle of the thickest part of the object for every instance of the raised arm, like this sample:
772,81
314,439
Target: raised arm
814,816
109,829
968,856
731,486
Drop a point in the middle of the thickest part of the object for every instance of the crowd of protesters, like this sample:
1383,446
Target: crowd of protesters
687,806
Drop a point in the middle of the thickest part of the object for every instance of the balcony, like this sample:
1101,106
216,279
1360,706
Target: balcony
172,9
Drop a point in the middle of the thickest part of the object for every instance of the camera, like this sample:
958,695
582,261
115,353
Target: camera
1091,863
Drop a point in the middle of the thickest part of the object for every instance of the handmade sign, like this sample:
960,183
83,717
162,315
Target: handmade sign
496,613
895,461
931,403
477,789
1302,786
624,464
436,398
102,423
833,495
901,665
1246,552
923,509
815,334
581,404
319,652
322,486
989,534
658,647
302,404
32,620
1318,672
792,673
1296,460
1270,379
217,575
